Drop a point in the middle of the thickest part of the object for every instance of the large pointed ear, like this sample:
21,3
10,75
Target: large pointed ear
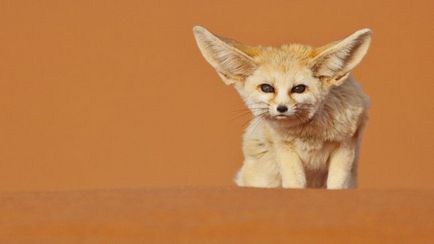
225,55
335,61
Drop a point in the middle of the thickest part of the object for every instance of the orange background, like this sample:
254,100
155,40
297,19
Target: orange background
115,94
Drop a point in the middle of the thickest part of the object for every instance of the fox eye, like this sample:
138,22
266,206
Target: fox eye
267,88
298,89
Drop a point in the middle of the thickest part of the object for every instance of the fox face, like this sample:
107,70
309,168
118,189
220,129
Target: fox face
282,88
287,83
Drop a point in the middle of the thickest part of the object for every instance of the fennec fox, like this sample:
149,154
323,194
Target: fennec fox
308,112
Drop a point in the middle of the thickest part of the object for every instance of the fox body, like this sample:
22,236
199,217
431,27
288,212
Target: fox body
308,111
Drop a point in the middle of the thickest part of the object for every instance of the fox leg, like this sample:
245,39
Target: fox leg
258,173
342,167
291,168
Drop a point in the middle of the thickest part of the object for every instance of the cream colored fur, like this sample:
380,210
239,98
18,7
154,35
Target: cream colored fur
313,144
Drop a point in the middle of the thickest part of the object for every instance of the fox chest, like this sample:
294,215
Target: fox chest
313,154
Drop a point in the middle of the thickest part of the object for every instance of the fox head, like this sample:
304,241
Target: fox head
287,83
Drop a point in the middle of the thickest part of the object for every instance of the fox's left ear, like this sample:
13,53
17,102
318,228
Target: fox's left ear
232,60
335,61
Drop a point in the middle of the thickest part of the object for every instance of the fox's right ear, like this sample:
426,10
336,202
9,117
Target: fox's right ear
224,55
336,60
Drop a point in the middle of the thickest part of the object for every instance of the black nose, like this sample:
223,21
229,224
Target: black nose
282,108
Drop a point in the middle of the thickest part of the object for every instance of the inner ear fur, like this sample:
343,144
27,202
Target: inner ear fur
229,58
335,61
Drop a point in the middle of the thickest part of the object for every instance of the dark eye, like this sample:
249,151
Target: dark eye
266,88
298,89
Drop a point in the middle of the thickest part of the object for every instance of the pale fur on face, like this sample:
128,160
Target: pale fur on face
283,68
325,73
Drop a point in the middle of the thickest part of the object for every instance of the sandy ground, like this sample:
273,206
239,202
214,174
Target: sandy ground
218,215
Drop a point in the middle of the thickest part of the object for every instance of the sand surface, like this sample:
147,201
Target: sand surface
218,215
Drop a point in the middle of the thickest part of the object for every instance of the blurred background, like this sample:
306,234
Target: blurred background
115,94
